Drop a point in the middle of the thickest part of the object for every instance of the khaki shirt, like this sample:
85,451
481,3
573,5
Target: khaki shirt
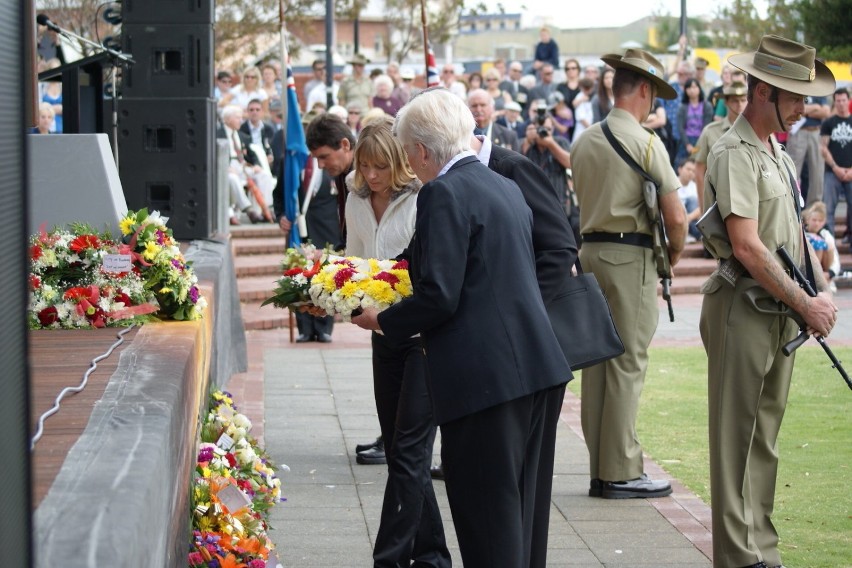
709,136
354,90
608,190
754,184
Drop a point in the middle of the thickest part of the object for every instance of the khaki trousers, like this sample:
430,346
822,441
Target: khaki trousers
748,382
804,145
610,391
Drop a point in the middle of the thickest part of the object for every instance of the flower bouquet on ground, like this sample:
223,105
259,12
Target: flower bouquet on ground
346,285
82,278
165,271
75,283
234,488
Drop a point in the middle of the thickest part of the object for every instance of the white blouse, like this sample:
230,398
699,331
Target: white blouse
367,238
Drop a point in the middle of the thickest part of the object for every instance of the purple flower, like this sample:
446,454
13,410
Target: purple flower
161,238
177,264
205,455
194,294
257,563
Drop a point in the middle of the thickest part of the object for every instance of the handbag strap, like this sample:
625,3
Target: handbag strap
623,154
577,266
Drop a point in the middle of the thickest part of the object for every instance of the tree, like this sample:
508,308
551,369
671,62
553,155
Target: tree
746,26
826,27
81,17
404,17
668,31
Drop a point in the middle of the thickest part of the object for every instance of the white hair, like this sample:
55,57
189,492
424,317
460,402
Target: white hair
481,93
382,80
232,110
438,120
339,111
528,81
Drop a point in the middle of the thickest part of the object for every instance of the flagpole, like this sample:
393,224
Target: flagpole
284,65
425,38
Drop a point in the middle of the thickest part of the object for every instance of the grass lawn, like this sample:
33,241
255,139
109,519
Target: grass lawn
813,503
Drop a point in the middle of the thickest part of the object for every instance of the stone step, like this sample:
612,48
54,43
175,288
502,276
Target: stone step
256,288
258,264
259,231
260,245
267,317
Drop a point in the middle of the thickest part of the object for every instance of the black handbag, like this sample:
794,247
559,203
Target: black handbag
582,322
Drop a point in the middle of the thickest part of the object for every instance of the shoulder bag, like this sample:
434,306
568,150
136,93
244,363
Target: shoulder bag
582,322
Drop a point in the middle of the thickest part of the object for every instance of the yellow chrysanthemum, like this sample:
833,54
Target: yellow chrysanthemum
205,524
151,250
404,289
126,225
205,471
349,289
374,266
380,291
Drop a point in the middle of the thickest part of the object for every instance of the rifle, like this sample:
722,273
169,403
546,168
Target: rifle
661,251
803,335
658,229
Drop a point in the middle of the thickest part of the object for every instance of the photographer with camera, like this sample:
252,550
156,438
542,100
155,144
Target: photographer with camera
550,153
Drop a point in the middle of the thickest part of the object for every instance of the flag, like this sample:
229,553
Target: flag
432,77
295,157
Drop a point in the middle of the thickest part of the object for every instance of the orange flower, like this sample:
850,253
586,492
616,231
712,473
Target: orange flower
230,561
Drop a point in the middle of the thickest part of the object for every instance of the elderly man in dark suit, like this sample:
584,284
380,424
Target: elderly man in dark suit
491,354
481,105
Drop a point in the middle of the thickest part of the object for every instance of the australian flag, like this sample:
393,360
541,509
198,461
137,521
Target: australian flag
432,77
295,157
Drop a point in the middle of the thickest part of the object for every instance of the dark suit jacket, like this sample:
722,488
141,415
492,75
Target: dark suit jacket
476,300
267,131
504,137
520,128
553,241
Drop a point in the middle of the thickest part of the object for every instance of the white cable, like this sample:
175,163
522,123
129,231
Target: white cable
78,388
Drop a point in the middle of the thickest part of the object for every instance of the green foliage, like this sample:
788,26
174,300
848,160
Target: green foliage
812,503
826,26
745,27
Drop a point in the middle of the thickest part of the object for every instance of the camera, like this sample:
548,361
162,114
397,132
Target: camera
540,117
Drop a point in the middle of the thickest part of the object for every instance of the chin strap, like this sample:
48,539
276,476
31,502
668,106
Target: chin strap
778,110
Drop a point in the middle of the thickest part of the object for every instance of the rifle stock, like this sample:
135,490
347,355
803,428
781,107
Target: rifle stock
803,335
661,251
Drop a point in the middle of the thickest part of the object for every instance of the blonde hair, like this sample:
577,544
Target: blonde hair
375,114
377,145
815,208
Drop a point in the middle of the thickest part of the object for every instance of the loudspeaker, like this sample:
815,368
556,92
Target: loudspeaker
172,60
167,161
167,11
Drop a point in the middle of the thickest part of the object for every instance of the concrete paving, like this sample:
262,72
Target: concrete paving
318,404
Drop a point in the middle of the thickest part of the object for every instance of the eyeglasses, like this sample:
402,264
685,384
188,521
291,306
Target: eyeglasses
355,112
572,68
255,77
491,79
447,71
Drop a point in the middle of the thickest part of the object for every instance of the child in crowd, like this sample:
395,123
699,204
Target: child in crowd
688,194
822,241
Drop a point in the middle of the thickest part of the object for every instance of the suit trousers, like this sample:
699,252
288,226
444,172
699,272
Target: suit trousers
410,527
805,145
544,482
610,391
491,460
748,381
314,325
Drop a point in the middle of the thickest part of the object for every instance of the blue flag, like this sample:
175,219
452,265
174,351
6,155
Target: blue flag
295,157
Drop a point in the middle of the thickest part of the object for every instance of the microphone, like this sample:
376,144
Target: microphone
43,20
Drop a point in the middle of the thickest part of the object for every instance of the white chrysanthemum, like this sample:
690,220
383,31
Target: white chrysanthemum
242,421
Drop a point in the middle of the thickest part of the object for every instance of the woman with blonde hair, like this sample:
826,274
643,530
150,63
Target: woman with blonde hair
380,213
492,86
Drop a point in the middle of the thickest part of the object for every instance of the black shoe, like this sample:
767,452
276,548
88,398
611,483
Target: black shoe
636,488
378,442
596,488
324,338
304,338
758,565
437,472
373,456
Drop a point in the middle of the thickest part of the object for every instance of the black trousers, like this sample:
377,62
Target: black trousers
314,325
491,461
410,527
544,483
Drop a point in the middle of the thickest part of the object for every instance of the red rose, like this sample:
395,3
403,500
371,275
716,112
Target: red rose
232,461
48,316
123,298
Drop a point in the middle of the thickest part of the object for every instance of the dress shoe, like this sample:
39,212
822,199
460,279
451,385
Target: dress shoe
304,338
758,565
324,338
378,442
437,471
596,488
636,488
233,220
373,456
255,217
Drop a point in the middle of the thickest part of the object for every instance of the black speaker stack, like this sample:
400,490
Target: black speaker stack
167,116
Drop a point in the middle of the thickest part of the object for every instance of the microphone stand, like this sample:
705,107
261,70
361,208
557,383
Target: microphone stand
117,58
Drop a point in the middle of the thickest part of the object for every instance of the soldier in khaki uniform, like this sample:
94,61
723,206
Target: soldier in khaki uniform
748,376
357,88
618,250
735,102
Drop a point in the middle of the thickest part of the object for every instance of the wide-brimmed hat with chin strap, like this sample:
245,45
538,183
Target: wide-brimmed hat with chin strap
645,64
788,65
